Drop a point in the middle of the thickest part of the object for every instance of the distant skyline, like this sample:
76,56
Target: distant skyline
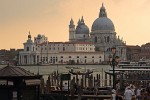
51,18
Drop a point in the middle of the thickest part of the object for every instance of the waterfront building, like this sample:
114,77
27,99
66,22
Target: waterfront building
8,56
138,53
102,35
41,51
145,52
133,53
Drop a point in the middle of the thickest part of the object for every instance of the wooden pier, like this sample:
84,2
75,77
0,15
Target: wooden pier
75,97
97,97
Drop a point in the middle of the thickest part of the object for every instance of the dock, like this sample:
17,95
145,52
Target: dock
75,97
99,97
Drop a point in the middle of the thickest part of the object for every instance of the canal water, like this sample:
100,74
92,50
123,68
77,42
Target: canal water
47,70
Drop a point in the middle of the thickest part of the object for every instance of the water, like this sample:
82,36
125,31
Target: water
47,70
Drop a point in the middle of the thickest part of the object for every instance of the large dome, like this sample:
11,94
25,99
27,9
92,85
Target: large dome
103,23
82,29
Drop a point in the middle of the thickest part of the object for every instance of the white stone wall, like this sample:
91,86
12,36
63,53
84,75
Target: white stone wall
59,53
29,58
85,47
81,57
52,47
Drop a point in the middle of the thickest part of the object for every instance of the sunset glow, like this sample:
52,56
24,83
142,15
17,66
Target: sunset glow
51,18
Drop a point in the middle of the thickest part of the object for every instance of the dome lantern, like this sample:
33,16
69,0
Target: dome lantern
102,12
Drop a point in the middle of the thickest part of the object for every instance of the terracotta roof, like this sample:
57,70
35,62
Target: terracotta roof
14,71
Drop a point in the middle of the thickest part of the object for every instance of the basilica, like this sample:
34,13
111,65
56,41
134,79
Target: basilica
84,46
102,35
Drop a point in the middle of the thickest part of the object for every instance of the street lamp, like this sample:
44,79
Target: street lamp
113,62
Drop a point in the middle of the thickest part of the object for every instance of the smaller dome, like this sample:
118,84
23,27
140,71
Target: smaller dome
82,29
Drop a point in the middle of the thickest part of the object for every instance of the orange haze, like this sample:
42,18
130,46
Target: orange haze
51,18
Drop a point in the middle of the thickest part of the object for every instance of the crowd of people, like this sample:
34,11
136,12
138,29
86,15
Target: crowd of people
131,92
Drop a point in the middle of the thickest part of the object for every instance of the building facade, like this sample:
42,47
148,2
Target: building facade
145,52
133,53
41,51
138,53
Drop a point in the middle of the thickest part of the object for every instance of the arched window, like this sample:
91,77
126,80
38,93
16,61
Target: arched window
77,61
61,61
100,61
95,40
85,61
107,38
63,48
27,48
93,61
84,36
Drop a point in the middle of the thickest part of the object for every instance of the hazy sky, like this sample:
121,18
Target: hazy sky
51,18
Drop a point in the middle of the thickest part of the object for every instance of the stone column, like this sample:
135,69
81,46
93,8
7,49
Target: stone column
35,57
19,59
22,60
31,59
28,60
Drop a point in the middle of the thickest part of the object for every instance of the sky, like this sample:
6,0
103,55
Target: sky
51,18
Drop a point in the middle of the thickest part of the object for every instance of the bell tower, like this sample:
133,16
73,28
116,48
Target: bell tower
71,30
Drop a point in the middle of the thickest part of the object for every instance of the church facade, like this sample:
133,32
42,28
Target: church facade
102,35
